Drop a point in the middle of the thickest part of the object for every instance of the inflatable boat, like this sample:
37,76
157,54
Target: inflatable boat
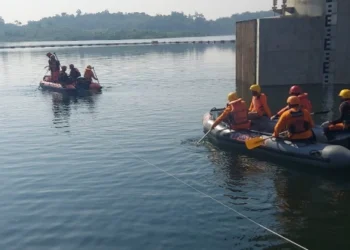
316,154
266,125
75,87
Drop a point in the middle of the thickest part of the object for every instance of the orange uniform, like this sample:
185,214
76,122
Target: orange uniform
259,105
89,75
297,122
239,115
304,103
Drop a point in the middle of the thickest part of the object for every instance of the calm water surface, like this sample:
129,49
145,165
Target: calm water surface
88,172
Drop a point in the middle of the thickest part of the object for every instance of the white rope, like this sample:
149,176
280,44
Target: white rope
217,201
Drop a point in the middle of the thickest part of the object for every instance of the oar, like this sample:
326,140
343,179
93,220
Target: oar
314,113
204,137
320,112
96,75
258,141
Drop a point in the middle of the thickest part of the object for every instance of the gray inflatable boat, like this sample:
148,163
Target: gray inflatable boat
316,154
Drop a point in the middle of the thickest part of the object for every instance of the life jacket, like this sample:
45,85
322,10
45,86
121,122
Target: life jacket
63,77
74,73
305,102
258,106
239,114
54,64
297,123
88,75
346,119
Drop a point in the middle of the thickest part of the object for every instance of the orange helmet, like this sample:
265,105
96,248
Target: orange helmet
293,100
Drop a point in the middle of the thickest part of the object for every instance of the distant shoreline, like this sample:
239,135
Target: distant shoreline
121,26
101,41
115,43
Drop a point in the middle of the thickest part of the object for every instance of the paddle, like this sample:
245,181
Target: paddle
258,141
95,75
275,117
204,137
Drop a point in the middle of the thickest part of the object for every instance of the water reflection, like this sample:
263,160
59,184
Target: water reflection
309,205
313,206
62,106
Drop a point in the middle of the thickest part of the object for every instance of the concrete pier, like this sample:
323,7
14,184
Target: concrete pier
308,42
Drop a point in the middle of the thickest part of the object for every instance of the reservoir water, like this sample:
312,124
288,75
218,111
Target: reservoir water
120,169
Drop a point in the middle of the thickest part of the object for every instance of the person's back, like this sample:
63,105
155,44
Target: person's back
63,77
74,72
236,112
296,120
239,115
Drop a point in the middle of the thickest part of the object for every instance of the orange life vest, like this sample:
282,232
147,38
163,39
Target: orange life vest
239,115
297,123
258,106
305,102
88,75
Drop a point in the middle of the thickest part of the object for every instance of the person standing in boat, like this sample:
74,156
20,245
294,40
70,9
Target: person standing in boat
296,120
89,74
54,67
74,73
304,100
63,78
258,107
343,122
236,113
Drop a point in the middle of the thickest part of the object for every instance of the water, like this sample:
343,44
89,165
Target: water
88,172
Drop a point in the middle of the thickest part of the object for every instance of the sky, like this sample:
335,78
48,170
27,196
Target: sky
26,10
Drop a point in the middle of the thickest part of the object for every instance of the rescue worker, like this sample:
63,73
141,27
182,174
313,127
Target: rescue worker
296,120
236,113
74,73
63,78
89,74
258,107
305,103
343,122
54,67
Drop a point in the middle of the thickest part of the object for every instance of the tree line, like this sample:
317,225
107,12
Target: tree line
114,26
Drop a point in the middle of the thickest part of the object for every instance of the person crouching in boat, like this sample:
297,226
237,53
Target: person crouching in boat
74,73
236,113
63,78
89,74
258,107
296,120
54,67
305,103
343,122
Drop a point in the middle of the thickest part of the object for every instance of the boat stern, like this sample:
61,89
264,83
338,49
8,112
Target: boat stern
338,156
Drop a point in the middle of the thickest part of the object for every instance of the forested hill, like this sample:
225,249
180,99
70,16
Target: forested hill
105,25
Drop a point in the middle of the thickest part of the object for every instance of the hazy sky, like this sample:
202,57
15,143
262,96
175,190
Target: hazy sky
24,10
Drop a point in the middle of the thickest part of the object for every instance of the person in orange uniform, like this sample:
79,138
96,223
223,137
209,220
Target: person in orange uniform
258,107
296,120
305,103
343,122
89,74
236,112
